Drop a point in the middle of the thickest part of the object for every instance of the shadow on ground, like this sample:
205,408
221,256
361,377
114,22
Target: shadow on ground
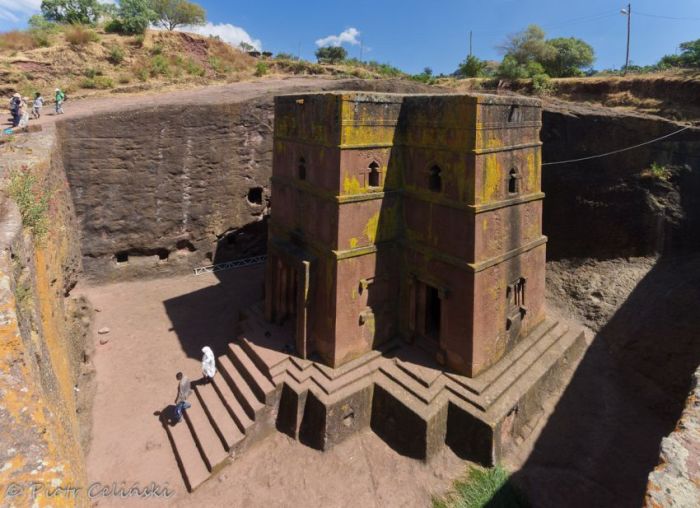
209,316
603,438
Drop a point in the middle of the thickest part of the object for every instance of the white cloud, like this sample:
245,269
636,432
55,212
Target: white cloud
232,34
14,10
349,36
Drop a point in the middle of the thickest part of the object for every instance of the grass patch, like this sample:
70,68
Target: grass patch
157,49
261,68
483,488
141,72
658,172
17,40
32,201
160,66
139,40
92,72
78,35
23,294
542,84
97,83
42,38
193,68
116,55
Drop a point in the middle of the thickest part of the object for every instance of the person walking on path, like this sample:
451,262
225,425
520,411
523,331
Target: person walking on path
183,391
60,97
24,113
37,105
208,364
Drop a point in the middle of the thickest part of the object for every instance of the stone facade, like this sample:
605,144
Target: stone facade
406,215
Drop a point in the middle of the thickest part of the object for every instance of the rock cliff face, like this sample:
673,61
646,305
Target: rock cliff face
45,354
156,189
676,481
618,206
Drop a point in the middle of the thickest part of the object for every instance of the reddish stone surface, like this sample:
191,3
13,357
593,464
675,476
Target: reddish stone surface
417,216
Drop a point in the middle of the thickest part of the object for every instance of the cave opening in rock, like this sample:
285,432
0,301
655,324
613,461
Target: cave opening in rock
255,195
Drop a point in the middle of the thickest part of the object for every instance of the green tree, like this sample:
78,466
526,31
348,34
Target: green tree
689,57
173,13
39,22
527,46
85,12
135,16
511,69
569,56
472,67
331,54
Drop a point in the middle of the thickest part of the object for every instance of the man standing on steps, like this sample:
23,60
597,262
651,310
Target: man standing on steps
183,391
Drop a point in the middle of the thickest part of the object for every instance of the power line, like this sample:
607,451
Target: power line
637,13
565,22
618,151
579,21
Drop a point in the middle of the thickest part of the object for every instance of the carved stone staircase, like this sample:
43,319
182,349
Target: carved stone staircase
260,386
227,416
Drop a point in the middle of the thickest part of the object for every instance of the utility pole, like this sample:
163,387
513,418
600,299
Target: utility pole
628,12
470,43
361,49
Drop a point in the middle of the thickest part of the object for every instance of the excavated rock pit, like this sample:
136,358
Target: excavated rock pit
159,189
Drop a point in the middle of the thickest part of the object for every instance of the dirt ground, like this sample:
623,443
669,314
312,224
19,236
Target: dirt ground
595,446
157,327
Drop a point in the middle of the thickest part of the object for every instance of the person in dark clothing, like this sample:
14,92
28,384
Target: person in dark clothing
15,103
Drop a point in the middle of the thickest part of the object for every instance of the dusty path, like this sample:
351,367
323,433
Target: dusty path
157,327
213,94
233,92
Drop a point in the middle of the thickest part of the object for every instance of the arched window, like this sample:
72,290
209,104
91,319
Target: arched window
513,182
435,179
374,178
302,169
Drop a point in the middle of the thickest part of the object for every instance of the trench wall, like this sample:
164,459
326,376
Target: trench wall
614,207
160,190
45,364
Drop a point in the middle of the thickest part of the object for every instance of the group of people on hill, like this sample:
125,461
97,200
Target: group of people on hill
19,107
184,388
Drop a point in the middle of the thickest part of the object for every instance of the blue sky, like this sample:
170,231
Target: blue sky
413,34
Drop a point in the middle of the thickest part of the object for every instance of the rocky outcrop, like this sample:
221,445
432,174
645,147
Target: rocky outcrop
45,369
676,481
156,189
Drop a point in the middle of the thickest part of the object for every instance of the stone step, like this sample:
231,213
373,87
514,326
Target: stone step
522,366
414,388
257,381
207,440
223,423
230,402
244,394
192,467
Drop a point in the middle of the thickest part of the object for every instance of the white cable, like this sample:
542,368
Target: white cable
617,151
